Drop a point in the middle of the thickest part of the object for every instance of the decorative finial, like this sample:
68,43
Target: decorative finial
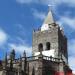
50,7
24,54
6,56
20,61
12,54
5,61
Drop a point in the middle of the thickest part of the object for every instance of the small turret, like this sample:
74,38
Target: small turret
20,61
5,62
24,54
12,54
24,61
20,65
12,58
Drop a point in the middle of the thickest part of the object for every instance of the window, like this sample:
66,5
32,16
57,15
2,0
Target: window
40,47
47,46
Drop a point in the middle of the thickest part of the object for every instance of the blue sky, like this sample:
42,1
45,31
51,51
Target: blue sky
18,18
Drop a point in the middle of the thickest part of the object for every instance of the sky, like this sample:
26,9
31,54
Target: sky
18,18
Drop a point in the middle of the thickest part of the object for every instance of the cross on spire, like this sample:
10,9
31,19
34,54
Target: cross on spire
50,7
48,20
51,4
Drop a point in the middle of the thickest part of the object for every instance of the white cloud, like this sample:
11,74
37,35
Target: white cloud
71,48
67,21
21,29
21,41
27,1
20,26
72,63
69,2
38,15
24,1
57,2
46,2
19,48
3,37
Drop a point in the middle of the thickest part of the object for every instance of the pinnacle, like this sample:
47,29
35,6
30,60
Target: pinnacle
49,19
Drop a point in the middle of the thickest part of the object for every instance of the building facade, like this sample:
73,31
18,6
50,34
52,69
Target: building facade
49,53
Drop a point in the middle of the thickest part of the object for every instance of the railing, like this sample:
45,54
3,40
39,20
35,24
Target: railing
44,57
31,58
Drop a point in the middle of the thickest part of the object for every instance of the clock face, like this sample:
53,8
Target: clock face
44,27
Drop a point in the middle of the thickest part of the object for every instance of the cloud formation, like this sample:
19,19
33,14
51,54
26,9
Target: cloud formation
38,15
70,22
3,37
27,1
46,2
71,50
24,1
71,47
20,48
72,63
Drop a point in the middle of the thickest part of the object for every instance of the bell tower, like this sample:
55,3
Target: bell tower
50,39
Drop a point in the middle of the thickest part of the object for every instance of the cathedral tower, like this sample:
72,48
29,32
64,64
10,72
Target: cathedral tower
50,39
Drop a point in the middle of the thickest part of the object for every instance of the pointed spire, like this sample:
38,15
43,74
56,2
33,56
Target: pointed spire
24,54
11,64
49,18
48,21
12,58
20,61
6,58
5,62
12,54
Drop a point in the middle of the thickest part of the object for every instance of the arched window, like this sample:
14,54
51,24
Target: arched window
48,46
40,47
